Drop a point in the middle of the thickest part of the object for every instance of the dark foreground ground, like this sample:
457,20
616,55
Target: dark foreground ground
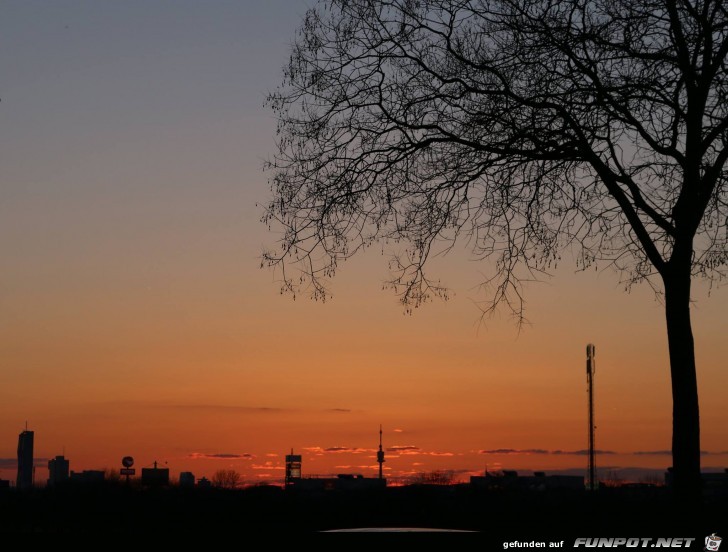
501,515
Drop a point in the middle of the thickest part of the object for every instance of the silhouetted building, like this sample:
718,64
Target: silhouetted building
204,483
155,477
714,483
88,476
539,481
58,471
187,480
25,460
293,467
4,484
342,482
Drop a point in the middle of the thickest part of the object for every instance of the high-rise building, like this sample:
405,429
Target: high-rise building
25,460
58,469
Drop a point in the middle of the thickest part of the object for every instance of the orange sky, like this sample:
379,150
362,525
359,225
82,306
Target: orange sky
134,318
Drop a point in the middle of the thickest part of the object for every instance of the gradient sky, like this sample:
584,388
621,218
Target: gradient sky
134,317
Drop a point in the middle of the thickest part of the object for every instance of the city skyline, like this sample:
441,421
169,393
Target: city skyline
366,463
136,320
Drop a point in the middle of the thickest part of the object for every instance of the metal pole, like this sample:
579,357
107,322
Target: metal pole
590,368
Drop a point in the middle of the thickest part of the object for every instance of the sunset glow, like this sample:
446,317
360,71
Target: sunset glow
135,318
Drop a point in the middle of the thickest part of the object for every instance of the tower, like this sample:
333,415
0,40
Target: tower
25,460
592,484
380,453
293,467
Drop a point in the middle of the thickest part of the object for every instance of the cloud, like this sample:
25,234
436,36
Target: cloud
8,463
459,471
403,448
272,455
582,452
398,430
343,449
220,456
406,450
337,450
267,466
12,463
199,407
241,408
219,408
514,451
224,408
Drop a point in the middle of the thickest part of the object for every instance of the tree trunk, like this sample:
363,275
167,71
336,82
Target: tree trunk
685,410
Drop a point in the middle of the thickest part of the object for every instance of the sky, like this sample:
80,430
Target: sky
135,318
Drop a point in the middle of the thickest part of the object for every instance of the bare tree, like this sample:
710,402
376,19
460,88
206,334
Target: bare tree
612,478
524,128
436,477
226,479
112,475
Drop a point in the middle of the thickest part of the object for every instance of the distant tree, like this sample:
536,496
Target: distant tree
436,477
652,479
226,479
112,475
523,128
612,478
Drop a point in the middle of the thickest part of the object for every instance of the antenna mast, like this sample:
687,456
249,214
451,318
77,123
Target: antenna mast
380,453
592,484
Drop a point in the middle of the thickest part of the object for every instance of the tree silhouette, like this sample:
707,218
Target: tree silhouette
436,477
523,128
226,479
